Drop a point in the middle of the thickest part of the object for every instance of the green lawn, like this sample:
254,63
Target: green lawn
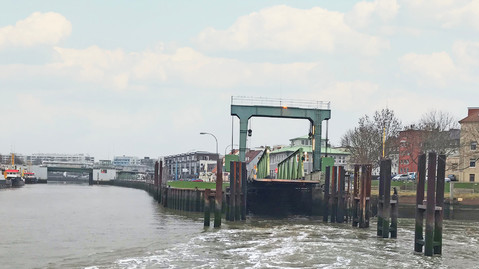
192,185
410,185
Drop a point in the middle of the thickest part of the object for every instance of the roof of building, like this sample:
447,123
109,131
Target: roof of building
309,149
472,115
304,137
251,154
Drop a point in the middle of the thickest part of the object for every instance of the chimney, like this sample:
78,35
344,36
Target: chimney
472,111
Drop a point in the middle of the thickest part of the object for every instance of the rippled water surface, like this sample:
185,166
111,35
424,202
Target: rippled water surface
79,226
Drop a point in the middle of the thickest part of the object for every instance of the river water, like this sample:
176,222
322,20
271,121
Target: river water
81,226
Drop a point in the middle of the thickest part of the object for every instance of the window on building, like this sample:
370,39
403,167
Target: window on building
472,177
473,145
472,163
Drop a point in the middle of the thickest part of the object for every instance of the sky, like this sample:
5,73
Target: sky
144,78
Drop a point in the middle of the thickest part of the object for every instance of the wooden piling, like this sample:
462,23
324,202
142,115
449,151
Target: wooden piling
334,196
232,202
394,214
326,194
381,200
355,198
219,193
244,192
155,178
341,202
439,213
430,204
386,197
238,191
421,179
160,181
207,209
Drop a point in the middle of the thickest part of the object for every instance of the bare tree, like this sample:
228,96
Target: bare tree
365,142
441,132
435,131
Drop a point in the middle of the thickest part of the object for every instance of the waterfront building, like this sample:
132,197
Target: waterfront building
40,158
413,142
469,151
126,161
190,165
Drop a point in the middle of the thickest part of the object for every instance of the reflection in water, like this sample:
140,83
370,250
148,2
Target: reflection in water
78,226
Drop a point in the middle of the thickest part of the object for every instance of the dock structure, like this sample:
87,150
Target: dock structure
432,207
387,205
335,195
236,197
361,195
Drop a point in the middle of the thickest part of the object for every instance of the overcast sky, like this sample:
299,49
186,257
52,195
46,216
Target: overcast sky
144,78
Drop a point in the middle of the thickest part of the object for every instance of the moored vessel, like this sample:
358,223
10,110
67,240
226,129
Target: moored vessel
30,178
14,176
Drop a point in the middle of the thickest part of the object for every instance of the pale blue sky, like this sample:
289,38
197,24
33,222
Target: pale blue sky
144,78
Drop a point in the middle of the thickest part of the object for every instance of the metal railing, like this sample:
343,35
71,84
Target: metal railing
263,164
292,167
278,102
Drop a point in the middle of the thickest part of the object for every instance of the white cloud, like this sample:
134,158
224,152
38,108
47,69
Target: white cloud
436,68
117,69
450,13
291,29
466,53
365,13
346,95
38,29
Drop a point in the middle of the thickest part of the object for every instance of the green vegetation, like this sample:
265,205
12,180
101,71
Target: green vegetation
409,185
192,185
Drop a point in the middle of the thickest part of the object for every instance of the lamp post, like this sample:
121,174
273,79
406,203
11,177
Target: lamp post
203,133
219,187
229,146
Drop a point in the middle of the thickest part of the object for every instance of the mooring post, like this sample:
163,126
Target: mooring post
219,192
394,214
356,197
381,200
430,204
362,198
441,174
227,205
386,197
421,179
368,193
244,190
341,202
451,199
233,175
334,196
160,181
326,194
155,178
166,197
207,208
238,191
348,199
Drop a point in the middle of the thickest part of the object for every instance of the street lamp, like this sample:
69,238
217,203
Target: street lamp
230,146
203,133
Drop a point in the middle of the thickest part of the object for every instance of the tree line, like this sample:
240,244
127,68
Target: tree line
433,133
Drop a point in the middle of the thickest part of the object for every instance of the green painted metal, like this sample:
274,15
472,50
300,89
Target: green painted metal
263,165
230,158
327,161
293,166
314,115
